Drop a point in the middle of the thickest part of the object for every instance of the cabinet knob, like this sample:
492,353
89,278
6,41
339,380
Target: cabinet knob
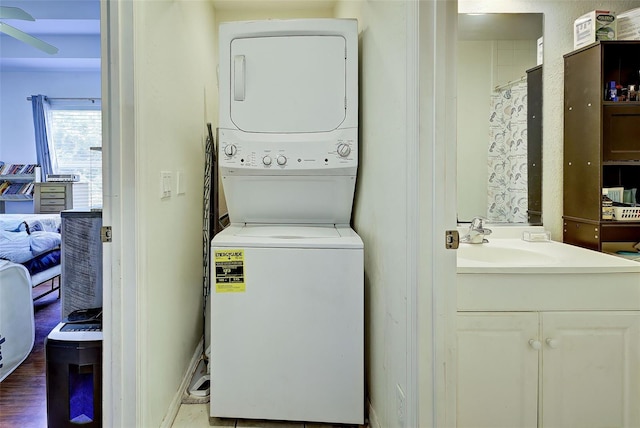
535,344
553,343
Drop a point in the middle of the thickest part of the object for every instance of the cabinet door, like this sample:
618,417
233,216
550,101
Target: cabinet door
590,375
583,93
620,132
497,383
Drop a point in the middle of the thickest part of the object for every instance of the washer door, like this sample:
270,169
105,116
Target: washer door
288,84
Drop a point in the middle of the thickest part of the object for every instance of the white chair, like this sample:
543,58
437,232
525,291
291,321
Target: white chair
17,329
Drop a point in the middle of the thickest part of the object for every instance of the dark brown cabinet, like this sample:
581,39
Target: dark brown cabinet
601,140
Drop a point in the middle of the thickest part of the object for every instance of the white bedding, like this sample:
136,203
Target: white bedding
19,247
15,222
25,236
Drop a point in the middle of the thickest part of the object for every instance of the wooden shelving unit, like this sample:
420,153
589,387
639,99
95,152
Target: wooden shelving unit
601,141
17,185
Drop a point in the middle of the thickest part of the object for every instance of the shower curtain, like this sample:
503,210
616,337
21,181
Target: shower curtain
507,154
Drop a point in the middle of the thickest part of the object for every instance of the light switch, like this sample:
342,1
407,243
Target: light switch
165,184
181,186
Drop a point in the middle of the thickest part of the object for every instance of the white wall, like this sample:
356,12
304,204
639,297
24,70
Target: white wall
175,96
482,65
381,202
475,70
17,140
512,59
558,41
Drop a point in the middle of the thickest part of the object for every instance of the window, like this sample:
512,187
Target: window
76,141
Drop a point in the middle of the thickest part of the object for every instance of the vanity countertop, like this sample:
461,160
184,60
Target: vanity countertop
516,256
508,274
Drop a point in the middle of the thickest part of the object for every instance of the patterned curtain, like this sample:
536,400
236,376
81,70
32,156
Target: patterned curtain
45,156
507,160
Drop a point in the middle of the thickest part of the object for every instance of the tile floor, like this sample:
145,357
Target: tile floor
197,416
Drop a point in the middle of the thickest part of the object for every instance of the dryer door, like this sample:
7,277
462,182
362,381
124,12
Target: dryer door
288,84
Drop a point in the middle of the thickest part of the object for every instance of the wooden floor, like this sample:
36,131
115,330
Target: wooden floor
23,400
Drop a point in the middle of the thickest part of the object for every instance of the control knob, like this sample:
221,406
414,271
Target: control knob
230,150
281,160
266,160
344,150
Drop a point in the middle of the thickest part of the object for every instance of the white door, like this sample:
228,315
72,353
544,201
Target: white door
591,369
497,369
288,84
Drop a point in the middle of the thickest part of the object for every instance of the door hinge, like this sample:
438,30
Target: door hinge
105,233
451,239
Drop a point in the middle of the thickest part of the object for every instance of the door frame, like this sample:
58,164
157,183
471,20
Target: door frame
432,306
120,321
431,64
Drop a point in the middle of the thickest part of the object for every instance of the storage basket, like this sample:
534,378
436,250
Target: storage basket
626,213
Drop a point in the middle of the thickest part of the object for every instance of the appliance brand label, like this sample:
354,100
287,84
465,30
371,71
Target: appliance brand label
229,266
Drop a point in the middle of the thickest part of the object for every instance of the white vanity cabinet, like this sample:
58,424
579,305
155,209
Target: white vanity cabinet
497,369
548,336
548,369
590,369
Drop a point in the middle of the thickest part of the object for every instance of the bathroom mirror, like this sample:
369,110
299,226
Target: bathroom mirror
499,170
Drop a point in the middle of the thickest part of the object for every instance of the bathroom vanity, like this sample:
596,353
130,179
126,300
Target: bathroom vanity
548,335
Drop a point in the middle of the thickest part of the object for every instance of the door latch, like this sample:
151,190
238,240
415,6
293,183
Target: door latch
451,239
105,233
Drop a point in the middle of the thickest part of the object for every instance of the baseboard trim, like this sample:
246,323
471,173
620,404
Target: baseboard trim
174,407
373,418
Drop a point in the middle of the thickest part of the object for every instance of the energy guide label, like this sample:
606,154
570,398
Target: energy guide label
229,271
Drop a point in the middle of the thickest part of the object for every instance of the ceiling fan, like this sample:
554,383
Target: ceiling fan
7,12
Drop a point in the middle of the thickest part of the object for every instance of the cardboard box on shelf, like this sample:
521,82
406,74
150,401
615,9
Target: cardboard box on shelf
629,25
594,26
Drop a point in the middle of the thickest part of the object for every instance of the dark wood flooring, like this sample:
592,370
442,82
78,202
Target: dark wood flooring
23,399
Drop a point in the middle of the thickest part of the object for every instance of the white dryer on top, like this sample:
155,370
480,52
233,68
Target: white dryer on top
288,131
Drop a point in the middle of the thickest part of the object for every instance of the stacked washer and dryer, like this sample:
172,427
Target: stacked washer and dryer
287,300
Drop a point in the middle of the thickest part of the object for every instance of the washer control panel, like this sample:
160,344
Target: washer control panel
284,152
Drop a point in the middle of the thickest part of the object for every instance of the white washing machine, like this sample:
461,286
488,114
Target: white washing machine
287,292
287,326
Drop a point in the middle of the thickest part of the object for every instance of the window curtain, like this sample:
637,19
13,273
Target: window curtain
45,156
507,160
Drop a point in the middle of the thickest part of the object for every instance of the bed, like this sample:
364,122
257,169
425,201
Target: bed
33,241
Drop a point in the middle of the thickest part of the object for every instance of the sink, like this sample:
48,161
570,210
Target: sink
503,254
515,275
518,256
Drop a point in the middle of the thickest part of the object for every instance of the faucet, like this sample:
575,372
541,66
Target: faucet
476,233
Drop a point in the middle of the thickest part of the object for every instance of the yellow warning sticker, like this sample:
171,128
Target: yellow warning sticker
229,271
